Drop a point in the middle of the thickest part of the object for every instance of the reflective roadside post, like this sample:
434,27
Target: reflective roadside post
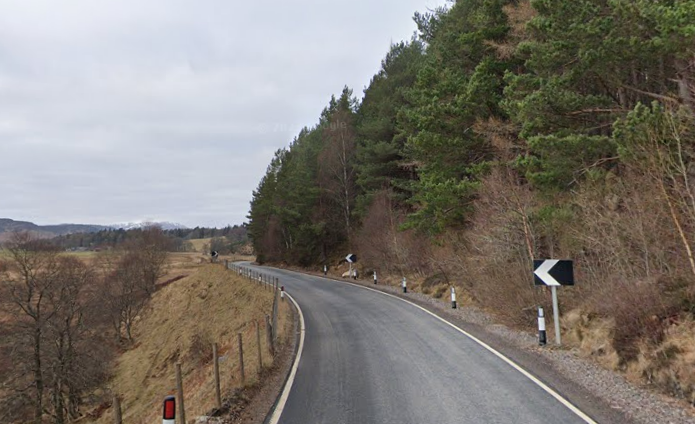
542,336
169,410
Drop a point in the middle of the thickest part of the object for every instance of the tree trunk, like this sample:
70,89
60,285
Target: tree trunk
38,377
685,86
58,403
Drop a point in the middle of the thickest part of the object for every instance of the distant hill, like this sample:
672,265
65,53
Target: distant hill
8,226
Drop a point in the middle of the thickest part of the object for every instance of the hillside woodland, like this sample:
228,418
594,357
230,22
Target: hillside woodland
507,131
64,318
225,240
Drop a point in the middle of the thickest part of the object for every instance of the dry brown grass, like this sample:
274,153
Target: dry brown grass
211,305
592,335
670,365
198,244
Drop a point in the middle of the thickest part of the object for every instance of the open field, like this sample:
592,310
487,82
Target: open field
198,244
185,318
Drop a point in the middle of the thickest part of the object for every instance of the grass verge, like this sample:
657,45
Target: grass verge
212,305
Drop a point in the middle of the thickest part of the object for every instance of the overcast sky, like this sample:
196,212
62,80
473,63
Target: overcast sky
120,110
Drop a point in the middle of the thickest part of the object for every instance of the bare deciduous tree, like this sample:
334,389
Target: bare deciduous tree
337,172
68,337
31,273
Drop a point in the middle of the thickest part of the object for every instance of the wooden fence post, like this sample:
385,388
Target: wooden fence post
179,391
216,363
269,335
117,417
241,359
258,342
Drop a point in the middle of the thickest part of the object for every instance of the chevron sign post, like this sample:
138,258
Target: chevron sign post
351,259
554,273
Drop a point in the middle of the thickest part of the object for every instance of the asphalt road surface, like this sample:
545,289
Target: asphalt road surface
370,358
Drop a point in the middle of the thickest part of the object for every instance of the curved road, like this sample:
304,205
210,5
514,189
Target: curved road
371,358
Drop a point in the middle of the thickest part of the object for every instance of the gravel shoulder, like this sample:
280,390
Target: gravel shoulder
605,395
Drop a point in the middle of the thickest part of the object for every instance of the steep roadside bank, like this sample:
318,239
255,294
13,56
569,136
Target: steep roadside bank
212,305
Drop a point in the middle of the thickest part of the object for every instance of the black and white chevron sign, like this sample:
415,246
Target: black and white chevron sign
553,272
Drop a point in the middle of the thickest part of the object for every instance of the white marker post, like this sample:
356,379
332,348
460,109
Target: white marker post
453,297
404,284
375,280
542,336
169,411
282,292
325,270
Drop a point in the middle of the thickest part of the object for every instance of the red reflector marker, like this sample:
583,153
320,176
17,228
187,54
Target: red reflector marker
169,415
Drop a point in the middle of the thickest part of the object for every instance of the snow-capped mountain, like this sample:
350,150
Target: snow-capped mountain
144,224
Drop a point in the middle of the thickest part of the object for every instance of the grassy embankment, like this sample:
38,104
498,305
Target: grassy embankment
185,318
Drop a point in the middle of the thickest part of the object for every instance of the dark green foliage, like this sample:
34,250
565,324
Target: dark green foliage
556,74
381,160
460,83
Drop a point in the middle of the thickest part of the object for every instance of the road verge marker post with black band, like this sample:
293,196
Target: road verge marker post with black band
542,336
404,284
453,297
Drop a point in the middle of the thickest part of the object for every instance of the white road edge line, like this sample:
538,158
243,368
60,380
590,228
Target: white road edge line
288,385
293,373
511,363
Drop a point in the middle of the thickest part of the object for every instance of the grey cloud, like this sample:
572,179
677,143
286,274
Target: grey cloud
128,110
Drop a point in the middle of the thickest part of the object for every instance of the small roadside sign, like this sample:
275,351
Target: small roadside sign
351,258
552,272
